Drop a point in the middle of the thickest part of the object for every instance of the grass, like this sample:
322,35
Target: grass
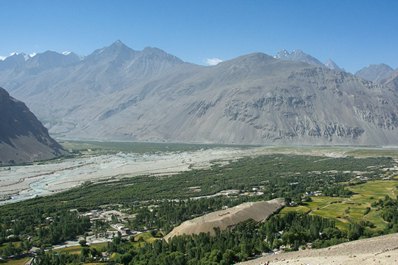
70,250
77,249
17,261
16,244
352,209
139,239
146,236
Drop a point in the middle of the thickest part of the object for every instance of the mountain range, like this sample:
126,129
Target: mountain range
117,93
22,137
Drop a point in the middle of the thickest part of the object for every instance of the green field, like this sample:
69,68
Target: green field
352,209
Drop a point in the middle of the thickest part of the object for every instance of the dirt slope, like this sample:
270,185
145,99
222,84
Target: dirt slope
224,219
377,250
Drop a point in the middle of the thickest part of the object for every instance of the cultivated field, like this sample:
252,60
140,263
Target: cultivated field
352,209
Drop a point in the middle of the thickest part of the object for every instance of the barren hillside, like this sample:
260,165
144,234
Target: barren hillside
372,251
227,218
22,137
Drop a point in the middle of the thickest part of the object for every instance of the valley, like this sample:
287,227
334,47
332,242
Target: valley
117,193
198,132
93,165
109,161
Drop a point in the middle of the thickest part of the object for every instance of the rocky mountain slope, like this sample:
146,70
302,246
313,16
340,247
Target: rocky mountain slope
22,137
375,72
333,66
117,93
392,80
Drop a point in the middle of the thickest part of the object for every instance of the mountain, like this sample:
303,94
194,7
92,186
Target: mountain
22,137
298,56
392,80
333,66
13,61
375,72
49,60
117,93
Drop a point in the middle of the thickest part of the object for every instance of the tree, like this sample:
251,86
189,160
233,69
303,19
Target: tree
83,243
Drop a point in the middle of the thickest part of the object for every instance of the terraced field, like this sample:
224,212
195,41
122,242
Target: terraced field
354,208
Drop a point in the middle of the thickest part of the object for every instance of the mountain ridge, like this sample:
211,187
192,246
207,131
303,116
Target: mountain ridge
150,95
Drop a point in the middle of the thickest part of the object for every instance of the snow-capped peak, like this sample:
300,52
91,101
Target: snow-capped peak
66,52
282,54
26,57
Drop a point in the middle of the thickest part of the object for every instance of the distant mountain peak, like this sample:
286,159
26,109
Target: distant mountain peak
375,72
332,65
249,59
298,51
160,54
282,54
119,44
153,50
15,60
115,48
298,56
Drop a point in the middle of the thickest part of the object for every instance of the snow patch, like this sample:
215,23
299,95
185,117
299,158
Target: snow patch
213,61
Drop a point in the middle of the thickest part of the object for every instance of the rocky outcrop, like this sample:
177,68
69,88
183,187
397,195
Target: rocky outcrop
22,137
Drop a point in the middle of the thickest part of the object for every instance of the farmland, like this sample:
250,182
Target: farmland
339,193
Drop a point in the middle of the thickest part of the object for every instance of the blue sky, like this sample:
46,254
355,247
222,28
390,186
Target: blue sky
354,33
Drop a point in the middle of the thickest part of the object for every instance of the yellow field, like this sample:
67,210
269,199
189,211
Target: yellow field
347,210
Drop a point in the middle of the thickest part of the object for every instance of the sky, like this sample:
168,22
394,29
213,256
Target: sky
353,33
